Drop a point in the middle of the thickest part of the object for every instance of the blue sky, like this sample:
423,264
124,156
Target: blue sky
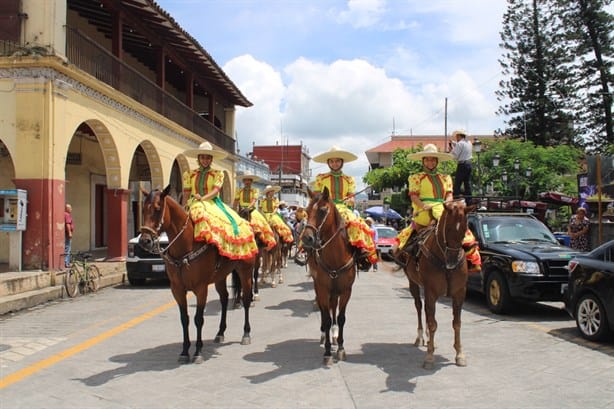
332,72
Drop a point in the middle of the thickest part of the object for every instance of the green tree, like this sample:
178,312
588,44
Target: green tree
535,93
588,29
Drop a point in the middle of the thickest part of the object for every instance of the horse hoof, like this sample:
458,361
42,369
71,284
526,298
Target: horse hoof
273,285
341,355
328,361
281,280
256,297
198,359
246,340
218,339
428,365
183,359
461,361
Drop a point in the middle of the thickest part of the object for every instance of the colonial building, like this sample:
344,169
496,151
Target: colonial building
99,98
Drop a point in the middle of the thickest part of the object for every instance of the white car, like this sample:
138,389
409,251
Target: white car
142,265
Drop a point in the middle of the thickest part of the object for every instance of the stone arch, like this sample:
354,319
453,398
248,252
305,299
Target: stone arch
155,166
7,166
110,153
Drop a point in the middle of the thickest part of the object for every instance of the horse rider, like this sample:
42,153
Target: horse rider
428,190
269,206
247,197
341,188
214,221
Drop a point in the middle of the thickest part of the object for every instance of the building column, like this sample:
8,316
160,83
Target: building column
117,205
43,239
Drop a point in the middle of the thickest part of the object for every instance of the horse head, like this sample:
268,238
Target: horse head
451,230
323,221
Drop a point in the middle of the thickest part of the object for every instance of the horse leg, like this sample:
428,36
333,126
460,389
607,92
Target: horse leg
457,307
246,282
334,328
236,285
220,286
326,322
255,278
199,320
182,303
345,298
431,324
414,289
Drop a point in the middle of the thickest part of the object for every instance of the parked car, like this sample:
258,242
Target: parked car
387,241
142,265
521,260
590,296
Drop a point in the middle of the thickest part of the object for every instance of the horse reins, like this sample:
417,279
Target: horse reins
446,250
333,273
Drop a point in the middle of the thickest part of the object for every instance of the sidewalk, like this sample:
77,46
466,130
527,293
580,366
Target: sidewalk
25,289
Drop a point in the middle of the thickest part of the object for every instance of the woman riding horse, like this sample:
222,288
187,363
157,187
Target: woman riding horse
342,187
269,207
214,221
428,190
247,198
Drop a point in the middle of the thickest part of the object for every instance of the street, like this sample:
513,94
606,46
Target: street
118,348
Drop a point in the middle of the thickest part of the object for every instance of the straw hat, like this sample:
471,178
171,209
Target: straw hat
335,152
244,176
270,188
283,203
430,151
459,132
205,148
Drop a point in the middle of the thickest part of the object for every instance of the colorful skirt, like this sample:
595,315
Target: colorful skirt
263,228
280,226
216,223
359,233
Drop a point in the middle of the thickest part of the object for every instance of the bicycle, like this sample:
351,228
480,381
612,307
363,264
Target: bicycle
81,276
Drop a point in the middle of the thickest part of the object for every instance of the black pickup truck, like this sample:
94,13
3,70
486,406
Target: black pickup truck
521,260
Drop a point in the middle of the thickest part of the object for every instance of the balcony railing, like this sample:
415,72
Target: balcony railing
90,57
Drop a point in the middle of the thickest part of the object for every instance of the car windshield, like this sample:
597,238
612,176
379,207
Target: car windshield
507,230
386,233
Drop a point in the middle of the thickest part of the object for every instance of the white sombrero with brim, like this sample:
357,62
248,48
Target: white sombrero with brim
254,178
335,152
205,148
430,151
270,188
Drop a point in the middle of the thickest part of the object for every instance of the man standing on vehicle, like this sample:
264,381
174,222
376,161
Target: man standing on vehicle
462,149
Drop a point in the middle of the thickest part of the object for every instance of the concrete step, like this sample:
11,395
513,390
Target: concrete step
26,289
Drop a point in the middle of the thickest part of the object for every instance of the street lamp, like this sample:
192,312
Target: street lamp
477,147
516,171
496,160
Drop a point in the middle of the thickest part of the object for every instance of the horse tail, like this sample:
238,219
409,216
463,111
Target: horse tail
236,285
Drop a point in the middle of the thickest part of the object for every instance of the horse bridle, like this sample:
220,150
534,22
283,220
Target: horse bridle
319,246
444,249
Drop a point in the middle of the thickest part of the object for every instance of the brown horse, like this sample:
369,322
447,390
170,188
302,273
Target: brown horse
271,262
332,267
440,269
246,213
192,267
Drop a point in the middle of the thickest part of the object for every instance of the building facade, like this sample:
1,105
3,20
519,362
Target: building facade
101,98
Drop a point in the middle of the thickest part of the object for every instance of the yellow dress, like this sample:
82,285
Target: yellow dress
214,221
340,187
245,197
433,188
269,206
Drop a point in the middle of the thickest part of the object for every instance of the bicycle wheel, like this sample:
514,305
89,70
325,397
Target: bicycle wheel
93,278
72,282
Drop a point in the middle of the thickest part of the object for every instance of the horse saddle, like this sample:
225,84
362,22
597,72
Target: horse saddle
414,243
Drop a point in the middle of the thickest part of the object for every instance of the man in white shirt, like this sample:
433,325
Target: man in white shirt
462,149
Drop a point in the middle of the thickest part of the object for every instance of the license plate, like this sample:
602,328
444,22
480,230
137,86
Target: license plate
157,267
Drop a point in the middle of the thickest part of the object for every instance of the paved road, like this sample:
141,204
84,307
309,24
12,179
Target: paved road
118,349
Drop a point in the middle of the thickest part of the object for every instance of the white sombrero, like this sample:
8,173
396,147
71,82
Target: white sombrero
244,176
205,148
334,152
430,151
459,132
270,188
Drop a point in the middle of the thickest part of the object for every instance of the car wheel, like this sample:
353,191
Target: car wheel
591,318
497,293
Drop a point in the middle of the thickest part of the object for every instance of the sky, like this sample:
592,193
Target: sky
352,73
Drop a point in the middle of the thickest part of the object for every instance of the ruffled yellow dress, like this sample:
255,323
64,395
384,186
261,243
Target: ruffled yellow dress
269,206
341,187
215,222
245,197
432,187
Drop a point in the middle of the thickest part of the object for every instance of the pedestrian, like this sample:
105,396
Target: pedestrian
578,228
69,229
247,198
341,187
428,190
214,221
370,222
461,149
